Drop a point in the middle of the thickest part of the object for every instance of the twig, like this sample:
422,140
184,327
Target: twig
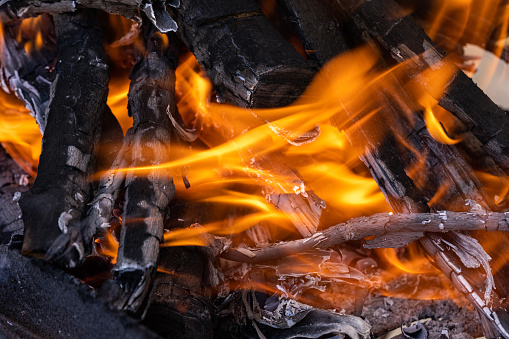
395,230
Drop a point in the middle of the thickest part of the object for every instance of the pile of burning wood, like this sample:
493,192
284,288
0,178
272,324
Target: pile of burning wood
256,233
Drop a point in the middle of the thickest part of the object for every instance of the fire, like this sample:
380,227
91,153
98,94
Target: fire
30,35
422,280
436,129
117,100
19,133
313,134
108,246
479,22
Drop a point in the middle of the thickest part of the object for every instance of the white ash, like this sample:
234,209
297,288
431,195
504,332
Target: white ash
63,221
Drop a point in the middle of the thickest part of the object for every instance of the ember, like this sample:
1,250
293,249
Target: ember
263,170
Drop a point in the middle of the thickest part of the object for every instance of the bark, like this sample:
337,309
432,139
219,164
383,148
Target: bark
56,203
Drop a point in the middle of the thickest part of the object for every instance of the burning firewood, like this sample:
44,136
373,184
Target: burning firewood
57,202
403,75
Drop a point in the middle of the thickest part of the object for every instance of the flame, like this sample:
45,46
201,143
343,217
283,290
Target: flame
477,22
30,35
436,129
19,133
117,99
423,281
239,137
108,246
312,134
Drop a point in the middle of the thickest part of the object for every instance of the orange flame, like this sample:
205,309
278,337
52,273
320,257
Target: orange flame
19,133
108,246
422,279
236,138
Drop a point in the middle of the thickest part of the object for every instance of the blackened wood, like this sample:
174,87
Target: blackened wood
13,181
16,10
326,40
400,35
248,61
40,298
55,204
53,304
155,10
181,307
151,98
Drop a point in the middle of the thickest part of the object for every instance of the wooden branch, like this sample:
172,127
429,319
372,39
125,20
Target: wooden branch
400,35
396,230
151,95
22,9
247,60
54,206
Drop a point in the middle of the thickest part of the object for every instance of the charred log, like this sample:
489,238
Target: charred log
400,35
56,203
248,61
151,98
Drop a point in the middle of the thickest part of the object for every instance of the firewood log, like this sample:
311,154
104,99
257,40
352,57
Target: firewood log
55,205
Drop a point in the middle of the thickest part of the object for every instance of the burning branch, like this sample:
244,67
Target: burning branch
386,231
151,101
55,205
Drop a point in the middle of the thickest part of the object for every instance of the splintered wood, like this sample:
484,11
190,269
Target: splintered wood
257,55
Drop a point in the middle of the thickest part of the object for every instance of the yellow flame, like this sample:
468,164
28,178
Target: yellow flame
19,133
108,246
436,130
117,99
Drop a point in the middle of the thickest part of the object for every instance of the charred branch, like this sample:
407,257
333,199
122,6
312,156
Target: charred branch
399,34
54,206
151,98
